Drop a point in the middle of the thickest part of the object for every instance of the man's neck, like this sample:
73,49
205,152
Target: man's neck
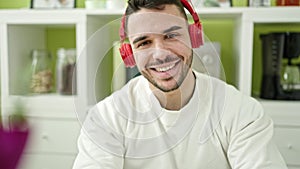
178,98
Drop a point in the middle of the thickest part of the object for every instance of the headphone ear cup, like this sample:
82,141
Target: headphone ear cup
196,36
127,55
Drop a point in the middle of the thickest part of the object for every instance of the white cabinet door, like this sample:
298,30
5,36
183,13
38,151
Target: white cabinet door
288,142
53,135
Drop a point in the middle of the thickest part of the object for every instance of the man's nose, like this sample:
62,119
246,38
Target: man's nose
160,50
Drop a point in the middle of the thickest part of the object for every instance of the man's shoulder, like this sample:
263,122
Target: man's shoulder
221,89
228,102
239,108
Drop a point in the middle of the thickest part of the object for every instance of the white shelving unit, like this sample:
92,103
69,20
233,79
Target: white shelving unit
285,114
54,117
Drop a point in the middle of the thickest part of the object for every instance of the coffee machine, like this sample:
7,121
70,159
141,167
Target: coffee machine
281,66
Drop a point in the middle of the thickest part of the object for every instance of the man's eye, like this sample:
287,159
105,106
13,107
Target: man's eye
171,35
143,44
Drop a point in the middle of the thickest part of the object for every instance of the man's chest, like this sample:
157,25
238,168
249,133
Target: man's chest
189,153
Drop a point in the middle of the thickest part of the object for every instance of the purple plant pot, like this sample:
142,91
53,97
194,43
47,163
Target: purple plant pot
12,144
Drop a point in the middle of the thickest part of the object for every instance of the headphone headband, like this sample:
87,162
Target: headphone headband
122,32
191,10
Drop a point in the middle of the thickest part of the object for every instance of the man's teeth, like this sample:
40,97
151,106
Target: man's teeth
163,69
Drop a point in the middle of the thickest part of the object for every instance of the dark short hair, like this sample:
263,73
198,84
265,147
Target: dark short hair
136,5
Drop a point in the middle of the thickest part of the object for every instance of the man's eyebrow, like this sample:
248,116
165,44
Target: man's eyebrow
173,28
139,39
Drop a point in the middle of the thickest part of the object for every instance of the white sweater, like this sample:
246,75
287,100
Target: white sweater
219,128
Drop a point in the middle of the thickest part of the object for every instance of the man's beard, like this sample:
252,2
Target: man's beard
179,81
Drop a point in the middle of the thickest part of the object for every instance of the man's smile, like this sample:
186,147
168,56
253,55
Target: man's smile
165,70
164,66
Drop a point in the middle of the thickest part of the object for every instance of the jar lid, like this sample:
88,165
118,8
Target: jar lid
40,52
69,54
62,52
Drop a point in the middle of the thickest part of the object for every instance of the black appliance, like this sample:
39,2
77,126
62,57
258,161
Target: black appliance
281,66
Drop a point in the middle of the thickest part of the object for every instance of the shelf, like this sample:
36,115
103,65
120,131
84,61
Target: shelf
286,104
284,113
258,14
274,15
46,105
28,16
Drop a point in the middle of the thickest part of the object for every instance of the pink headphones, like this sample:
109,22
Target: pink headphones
195,31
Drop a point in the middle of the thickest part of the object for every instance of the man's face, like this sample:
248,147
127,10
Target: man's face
161,46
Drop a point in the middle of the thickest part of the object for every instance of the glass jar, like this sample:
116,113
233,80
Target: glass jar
41,73
66,71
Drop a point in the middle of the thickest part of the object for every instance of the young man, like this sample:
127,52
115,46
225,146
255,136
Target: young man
172,117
